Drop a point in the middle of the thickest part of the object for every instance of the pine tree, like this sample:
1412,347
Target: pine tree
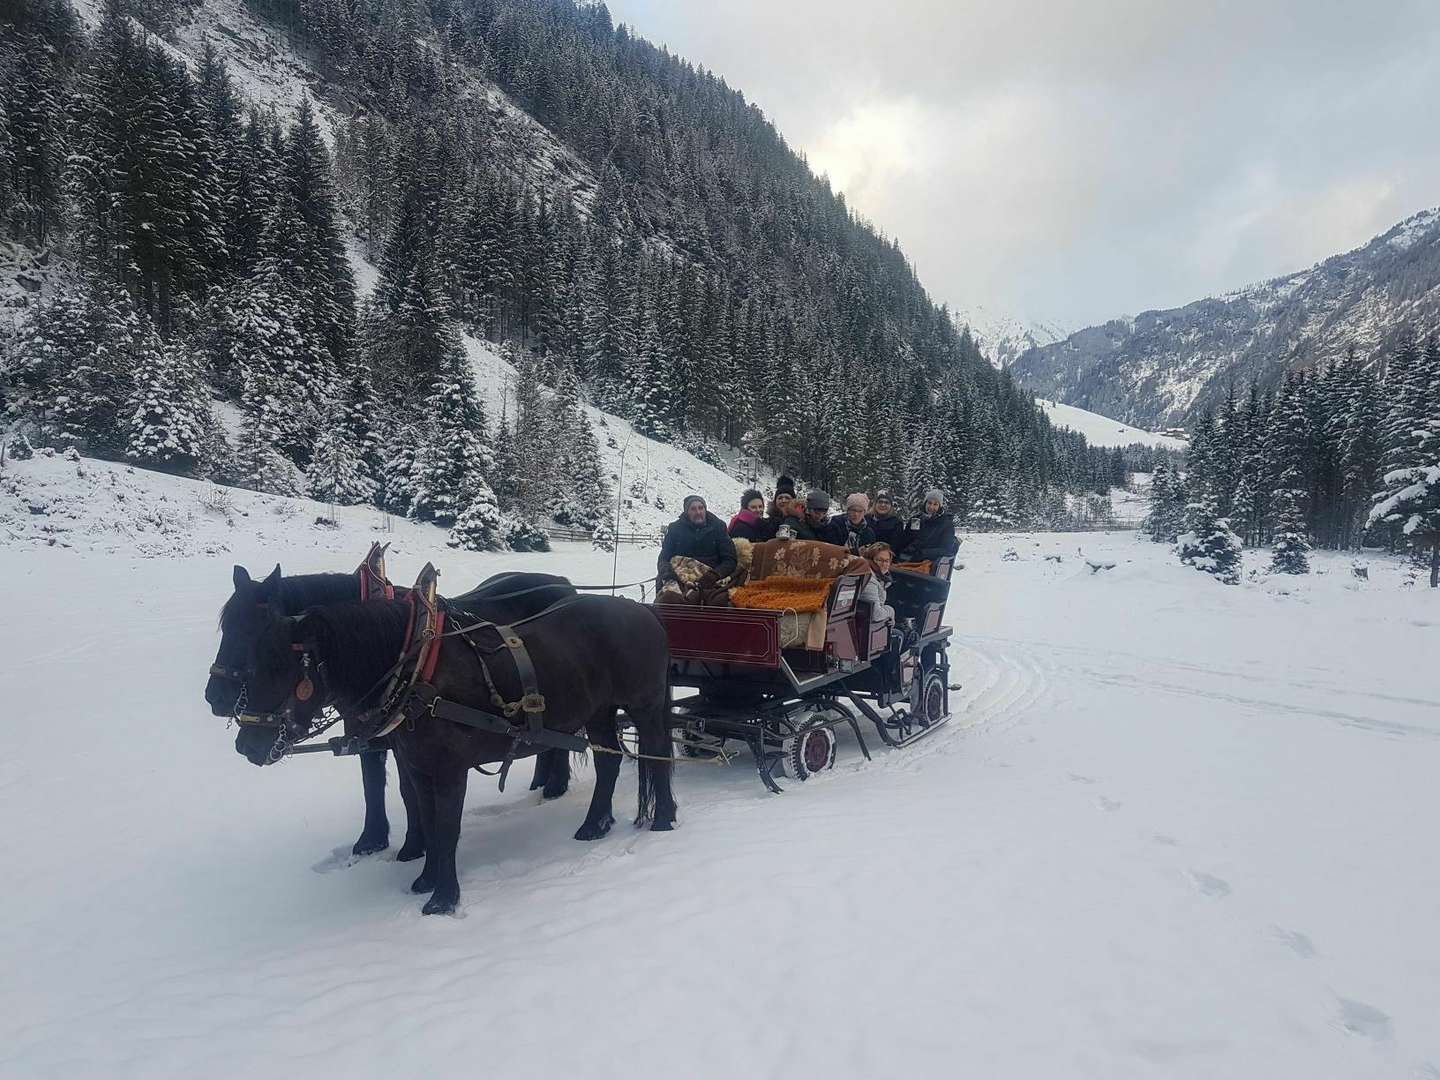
169,410
1208,544
452,457
73,367
341,467
1409,503
1290,542
479,524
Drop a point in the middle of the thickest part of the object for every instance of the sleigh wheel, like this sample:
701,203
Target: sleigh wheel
811,750
932,699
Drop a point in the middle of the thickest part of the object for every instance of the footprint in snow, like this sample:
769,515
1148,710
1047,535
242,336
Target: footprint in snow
1108,805
1209,884
339,859
1081,779
1167,841
1359,1018
1298,943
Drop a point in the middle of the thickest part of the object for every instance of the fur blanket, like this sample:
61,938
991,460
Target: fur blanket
780,593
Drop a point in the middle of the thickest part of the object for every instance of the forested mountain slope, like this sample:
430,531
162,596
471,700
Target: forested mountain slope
1165,368
522,171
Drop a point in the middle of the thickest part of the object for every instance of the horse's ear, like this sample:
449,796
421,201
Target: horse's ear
241,577
274,578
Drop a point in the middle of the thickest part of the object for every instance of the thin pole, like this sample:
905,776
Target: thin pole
619,501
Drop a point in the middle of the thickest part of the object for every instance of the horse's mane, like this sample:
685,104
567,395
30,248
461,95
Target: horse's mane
358,642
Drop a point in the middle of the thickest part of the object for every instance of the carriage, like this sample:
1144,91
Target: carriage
781,683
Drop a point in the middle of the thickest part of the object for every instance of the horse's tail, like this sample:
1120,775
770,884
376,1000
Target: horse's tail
654,775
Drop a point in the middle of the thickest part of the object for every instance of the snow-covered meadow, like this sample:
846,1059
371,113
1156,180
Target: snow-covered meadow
1176,829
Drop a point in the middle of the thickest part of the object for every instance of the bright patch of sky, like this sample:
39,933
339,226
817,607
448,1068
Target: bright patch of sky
1076,161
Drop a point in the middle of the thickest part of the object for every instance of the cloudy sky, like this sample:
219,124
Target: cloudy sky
1080,159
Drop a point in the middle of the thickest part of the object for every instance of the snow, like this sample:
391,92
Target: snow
1101,430
1002,337
1177,829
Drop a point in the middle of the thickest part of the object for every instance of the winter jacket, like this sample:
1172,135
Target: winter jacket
889,529
707,542
851,537
747,525
874,594
930,536
805,531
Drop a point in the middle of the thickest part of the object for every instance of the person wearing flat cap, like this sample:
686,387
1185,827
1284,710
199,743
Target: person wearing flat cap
699,535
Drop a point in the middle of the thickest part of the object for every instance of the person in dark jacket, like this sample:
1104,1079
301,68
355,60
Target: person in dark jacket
780,505
700,535
751,523
931,535
889,526
815,525
853,531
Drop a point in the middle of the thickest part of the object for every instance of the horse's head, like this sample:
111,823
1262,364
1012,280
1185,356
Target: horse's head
242,619
284,688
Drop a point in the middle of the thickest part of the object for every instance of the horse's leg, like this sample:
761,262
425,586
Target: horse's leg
601,816
657,797
557,773
375,836
414,845
448,790
542,770
424,792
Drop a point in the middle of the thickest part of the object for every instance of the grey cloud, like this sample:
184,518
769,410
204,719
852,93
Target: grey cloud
1080,160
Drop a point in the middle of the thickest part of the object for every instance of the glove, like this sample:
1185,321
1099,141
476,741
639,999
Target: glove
708,580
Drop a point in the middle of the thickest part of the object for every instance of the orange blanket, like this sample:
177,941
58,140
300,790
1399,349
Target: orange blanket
915,567
783,594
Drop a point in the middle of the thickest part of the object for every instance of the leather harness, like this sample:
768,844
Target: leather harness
411,693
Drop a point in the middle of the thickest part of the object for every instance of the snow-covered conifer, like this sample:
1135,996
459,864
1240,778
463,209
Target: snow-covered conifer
1208,544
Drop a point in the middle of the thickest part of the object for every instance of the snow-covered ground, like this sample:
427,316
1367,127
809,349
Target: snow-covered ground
1101,430
1177,829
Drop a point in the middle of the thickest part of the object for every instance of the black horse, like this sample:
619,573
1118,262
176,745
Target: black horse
592,656
504,598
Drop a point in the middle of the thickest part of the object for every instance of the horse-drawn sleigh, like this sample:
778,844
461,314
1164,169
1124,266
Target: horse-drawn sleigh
525,665
781,682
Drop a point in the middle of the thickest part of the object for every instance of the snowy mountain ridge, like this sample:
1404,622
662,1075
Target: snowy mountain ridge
1161,368
1003,337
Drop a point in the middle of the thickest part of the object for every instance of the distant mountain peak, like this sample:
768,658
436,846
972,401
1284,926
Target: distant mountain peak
1002,337
1162,368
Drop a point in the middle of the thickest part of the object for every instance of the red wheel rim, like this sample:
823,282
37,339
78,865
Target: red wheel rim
815,750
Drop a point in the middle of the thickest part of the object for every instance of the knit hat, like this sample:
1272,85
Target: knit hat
935,495
747,495
817,500
690,500
884,496
785,484
857,501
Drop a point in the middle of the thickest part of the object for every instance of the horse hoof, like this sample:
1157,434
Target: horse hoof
661,826
438,906
422,884
369,845
594,830
549,793
410,851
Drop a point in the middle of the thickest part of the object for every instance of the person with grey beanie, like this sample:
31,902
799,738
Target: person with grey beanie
815,524
931,534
